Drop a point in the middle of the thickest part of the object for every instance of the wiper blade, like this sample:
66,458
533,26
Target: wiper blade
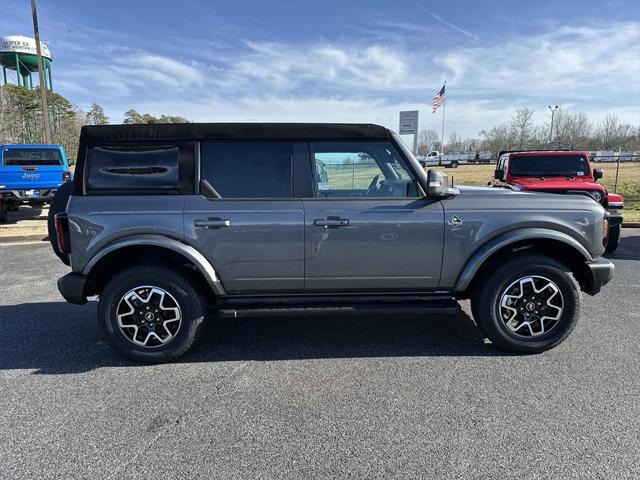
528,174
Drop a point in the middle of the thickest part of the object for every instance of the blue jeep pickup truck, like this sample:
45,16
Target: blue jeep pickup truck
30,174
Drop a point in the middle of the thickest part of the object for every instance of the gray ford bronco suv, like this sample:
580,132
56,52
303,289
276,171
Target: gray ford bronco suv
166,223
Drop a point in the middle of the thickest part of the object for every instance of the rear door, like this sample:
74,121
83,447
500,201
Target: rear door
366,228
28,168
244,217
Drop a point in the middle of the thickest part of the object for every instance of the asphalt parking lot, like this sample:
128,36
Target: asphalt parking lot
376,397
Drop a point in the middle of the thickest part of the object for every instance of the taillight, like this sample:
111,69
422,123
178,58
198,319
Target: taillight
66,176
62,232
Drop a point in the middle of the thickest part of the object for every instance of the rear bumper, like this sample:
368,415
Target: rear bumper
601,272
46,194
72,287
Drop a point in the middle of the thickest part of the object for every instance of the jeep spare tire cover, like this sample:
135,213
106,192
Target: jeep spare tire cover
58,205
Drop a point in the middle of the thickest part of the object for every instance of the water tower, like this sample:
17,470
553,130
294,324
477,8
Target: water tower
18,53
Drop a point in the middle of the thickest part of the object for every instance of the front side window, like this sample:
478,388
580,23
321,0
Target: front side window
248,169
360,169
24,157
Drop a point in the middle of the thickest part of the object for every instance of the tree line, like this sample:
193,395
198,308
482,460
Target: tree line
21,122
571,130
21,118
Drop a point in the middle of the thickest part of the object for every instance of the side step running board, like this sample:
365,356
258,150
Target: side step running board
440,306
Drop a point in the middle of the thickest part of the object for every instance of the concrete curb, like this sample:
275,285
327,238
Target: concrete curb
21,233
24,238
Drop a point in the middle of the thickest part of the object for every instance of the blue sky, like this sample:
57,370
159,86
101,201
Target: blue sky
346,61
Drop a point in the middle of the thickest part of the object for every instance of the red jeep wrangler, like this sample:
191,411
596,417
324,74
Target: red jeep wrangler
560,172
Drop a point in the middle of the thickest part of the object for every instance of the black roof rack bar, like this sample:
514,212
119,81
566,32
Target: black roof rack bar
502,152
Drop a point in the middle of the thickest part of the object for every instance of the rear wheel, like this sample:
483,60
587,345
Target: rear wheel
454,164
151,314
4,218
528,305
614,239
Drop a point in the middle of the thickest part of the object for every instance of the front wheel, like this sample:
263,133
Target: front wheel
614,239
151,314
528,305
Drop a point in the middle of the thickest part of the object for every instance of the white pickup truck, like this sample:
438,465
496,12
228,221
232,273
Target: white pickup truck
452,160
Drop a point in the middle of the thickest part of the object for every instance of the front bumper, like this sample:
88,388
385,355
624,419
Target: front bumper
72,287
615,217
601,272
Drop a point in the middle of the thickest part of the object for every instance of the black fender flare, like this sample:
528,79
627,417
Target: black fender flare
58,205
489,248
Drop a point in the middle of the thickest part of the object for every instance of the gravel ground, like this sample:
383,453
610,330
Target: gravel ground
376,397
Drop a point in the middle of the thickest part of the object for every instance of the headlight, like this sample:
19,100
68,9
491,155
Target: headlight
605,228
597,196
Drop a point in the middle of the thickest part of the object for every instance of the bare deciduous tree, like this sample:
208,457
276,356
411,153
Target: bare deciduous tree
571,129
522,128
427,140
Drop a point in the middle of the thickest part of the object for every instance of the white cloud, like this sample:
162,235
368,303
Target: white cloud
149,69
595,69
287,66
564,63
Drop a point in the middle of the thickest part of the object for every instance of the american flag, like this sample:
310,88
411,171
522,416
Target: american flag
438,99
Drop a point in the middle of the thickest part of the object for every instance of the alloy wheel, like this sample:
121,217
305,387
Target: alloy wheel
531,306
149,316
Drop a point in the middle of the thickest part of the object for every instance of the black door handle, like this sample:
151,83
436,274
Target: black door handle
212,223
331,222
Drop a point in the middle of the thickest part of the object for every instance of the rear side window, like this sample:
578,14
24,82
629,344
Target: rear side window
133,168
31,157
248,169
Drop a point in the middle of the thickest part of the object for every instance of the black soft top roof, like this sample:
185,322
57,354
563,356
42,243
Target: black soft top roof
198,131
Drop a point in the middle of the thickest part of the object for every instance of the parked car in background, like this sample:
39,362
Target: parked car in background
453,160
166,223
566,172
611,156
30,174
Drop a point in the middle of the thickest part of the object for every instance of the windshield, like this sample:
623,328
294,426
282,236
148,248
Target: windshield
549,166
31,156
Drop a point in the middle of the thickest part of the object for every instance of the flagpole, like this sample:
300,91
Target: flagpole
444,108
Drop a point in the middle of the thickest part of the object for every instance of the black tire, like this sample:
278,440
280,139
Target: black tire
179,286
4,217
454,164
58,205
614,239
485,303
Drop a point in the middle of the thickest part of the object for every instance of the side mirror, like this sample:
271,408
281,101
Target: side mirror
498,174
437,184
597,173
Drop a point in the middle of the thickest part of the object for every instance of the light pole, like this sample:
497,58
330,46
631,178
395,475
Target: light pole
553,111
43,87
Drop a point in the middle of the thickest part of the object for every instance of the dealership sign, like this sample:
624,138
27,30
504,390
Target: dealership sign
408,122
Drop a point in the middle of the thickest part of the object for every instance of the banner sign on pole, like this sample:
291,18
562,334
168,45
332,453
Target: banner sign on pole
408,122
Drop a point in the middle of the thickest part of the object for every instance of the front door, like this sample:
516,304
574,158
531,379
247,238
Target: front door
245,219
366,227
